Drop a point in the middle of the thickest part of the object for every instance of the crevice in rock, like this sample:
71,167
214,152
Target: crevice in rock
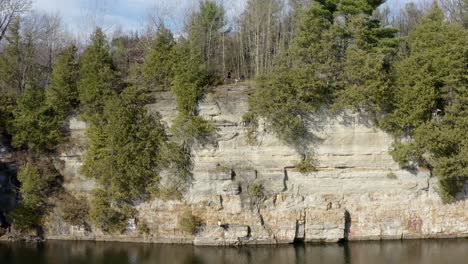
233,175
344,167
347,225
285,179
249,232
221,202
299,237
262,222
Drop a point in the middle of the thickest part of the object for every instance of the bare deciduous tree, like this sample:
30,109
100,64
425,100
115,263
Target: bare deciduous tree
9,9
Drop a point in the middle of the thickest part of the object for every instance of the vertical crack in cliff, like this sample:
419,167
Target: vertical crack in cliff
285,178
347,225
300,227
221,202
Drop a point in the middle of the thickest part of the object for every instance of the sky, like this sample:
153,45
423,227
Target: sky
83,15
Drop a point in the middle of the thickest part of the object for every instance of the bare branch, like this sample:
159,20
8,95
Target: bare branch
9,9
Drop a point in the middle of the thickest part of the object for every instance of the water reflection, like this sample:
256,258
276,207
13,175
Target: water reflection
417,251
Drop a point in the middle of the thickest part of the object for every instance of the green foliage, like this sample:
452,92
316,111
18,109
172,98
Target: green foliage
391,176
7,105
430,101
124,146
25,218
143,228
38,180
257,190
367,67
33,186
107,213
205,33
177,163
190,80
427,77
159,62
187,222
250,121
168,193
306,78
306,165
176,159
36,125
38,116
98,79
74,209
62,94
193,129
189,86
223,168
286,99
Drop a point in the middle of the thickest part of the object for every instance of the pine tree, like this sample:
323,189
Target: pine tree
62,91
159,62
368,66
98,79
205,34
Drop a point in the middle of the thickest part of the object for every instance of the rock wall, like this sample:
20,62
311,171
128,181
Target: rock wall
358,192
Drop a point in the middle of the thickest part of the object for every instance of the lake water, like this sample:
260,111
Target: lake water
398,252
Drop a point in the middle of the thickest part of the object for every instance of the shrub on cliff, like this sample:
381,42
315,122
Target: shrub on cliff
108,213
74,209
7,105
38,181
188,222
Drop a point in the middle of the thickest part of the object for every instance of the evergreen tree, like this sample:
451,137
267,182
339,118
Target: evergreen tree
35,125
124,146
205,34
430,102
367,66
189,85
7,104
98,79
62,91
38,180
159,62
312,73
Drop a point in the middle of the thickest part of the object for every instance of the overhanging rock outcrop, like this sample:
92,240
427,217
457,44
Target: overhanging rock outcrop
358,192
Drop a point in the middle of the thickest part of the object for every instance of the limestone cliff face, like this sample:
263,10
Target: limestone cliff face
358,191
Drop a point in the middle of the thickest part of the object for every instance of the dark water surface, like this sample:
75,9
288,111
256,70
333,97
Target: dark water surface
398,252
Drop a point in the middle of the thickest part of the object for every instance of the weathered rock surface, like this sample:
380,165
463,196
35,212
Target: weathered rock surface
353,195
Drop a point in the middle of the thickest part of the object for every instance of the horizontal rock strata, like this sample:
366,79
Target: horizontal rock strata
357,193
